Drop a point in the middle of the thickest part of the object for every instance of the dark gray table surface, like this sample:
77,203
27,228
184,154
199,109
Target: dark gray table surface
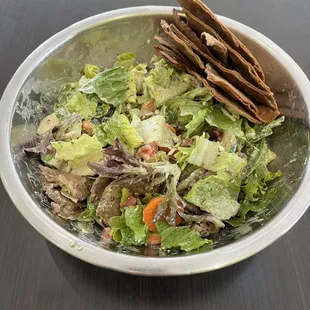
36,275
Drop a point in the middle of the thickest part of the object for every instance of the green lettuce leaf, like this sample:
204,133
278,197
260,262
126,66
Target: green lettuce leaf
164,83
154,130
196,125
125,60
71,101
217,196
138,73
119,127
80,104
112,86
258,132
229,166
215,117
180,238
205,153
91,71
254,206
78,152
125,195
199,94
89,214
129,229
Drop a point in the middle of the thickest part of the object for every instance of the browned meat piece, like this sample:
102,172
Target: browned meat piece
217,47
109,204
197,8
62,206
77,186
98,188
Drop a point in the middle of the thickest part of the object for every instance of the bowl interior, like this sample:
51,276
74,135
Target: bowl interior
100,45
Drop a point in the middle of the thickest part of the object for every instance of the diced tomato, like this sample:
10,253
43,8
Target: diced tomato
131,201
148,151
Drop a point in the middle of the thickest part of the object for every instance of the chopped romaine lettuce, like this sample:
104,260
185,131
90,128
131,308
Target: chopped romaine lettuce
79,104
215,117
205,153
91,71
199,94
129,229
89,214
125,60
119,127
258,132
78,152
254,206
182,238
112,86
229,165
216,195
164,83
138,73
154,130
196,125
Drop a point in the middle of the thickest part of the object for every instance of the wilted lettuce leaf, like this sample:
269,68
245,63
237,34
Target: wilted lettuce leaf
255,189
215,117
129,229
101,135
78,152
258,131
216,196
257,155
89,214
164,83
91,71
154,130
180,238
255,206
119,127
125,60
112,86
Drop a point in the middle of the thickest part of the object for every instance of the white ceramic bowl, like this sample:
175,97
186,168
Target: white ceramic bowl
97,40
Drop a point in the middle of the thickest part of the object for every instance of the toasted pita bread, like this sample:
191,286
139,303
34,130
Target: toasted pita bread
261,112
187,48
199,9
218,49
238,62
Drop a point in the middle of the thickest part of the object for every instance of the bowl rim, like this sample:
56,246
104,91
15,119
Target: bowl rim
150,266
